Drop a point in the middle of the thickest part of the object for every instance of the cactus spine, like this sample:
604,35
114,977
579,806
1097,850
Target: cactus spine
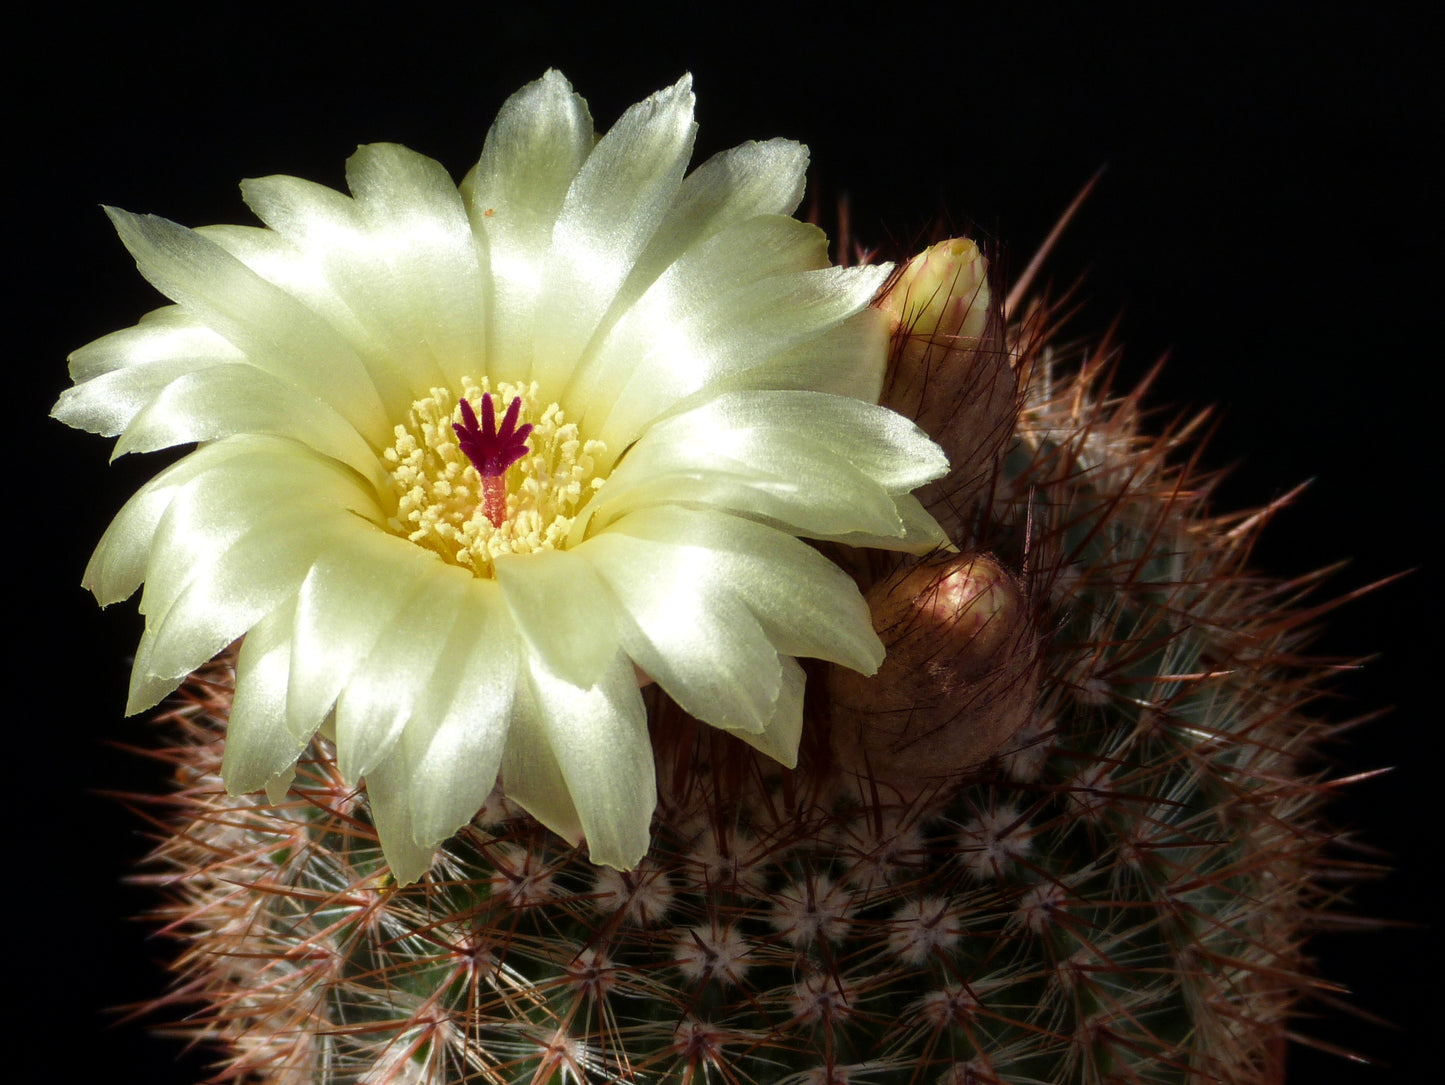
1108,883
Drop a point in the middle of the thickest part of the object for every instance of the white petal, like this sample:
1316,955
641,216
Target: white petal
921,532
276,332
779,740
300,270
455,740
387,790
229,546
597,737
324,253
843,361
657,328
765,474
887,447
822,465
121,373
238,482
532,776
685,626
222,597
343,280
349,603
739,334
804,602
398,687
279,786
118,565
167,332
563,610
259,746
540,139
229,399
729,188
615,204
432,286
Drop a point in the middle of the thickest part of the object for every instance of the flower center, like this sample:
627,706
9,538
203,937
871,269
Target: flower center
470,490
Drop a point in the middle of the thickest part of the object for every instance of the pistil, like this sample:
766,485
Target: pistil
492,450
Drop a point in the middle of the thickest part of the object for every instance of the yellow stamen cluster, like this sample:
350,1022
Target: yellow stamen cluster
439,492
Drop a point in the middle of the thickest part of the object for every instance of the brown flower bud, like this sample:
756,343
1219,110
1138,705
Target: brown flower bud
959,680
949,370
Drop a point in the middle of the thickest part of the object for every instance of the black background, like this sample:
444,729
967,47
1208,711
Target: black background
1265,217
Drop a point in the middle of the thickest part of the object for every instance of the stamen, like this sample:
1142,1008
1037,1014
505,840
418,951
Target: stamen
492,451
471,491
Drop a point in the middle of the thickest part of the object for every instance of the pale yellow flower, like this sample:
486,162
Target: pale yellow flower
699,385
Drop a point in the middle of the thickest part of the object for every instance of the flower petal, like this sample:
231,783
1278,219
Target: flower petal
615,204
230,546
888,448
350,601
540,139
430,293
445,670
118,566
842,360
727,190
685,626
920,533
259,746
532,776
383,694
455,741
119,374
821,465
779,739
564,611
731,187
804,602
321,250
222,598
744,333
167,332
276,332
376,267
656,324
228,399
387,790
597,739
799,485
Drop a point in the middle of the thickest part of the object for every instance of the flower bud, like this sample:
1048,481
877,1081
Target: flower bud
960,677
949,370
942,291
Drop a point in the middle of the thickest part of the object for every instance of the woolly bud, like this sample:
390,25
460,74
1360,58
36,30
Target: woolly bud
949,371
959,679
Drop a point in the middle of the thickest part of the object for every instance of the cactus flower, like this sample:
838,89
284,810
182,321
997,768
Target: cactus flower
686,389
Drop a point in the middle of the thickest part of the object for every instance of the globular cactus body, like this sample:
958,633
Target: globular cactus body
1108,885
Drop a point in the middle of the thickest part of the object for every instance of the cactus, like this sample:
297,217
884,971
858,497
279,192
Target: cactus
1064,836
